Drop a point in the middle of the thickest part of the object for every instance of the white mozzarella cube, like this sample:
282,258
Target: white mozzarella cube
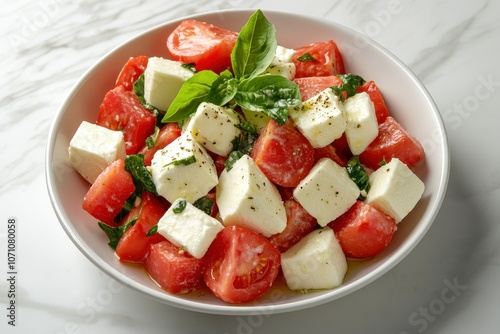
190,229
315,262
93,148
362,125
214,127
282,63
162,80
183,169
256,118
246,197
395,189
321,118
327,191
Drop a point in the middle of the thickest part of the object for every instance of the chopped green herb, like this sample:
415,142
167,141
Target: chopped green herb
383,162
180,206
185,162
190,66
134,164
115,233
306,57
232,158
349,87
152,231
205,204
150,141
358,174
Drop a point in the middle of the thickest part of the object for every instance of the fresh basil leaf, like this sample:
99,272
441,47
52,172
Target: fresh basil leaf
255,47
150,141
306,57
272,95
194,91
152,231
205,204
134,164
232,158
190,66
349,87
358,174
180,206
223,89
185,162
114,233
138,88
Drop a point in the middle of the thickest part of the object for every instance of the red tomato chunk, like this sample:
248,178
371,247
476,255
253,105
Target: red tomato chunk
173,269
283,154
122,110
134,244
109,192
131,71
327,60
363,231
241,265
392,142
207,46
168,133
311,86
373,91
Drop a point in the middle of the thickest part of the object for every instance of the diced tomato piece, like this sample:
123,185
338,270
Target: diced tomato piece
298,223
173,269
131,71
285,192
241,265
363,231
342,146
220,164
311,86
373,91
392,142
107,195
283,154
329,151
207,46
327,60
168,133
122,110
134,244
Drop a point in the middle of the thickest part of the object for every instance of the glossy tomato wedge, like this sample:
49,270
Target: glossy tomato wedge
318,59
363,231
134,244
393,141
207,46
109,192
122,110
173,269
131,71
381,111
241,265
283,154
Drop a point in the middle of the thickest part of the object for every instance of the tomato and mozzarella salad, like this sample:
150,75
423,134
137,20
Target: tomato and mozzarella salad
236,162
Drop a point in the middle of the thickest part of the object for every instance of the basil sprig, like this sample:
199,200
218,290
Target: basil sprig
349,87
253,52
358,174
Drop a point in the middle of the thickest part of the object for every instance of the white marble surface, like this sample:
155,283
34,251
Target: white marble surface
453,46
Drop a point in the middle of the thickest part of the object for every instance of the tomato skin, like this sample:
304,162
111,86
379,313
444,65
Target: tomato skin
173,269
311,86
392,142
207,46
168,133
328,60
283,154
134,244
373,91
235,271
131,71
107,195
298,223
329,151
122,110
363,231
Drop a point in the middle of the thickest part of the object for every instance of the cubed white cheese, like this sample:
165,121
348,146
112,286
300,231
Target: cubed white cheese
282,63
246,197
321,118
214,127
256,118
395,189
327,191
362,125
315,262
93,148
190,229
162,80
183,169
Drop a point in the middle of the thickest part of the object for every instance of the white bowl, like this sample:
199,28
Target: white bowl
407,100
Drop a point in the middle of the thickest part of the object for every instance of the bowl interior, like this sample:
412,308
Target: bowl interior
407,100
